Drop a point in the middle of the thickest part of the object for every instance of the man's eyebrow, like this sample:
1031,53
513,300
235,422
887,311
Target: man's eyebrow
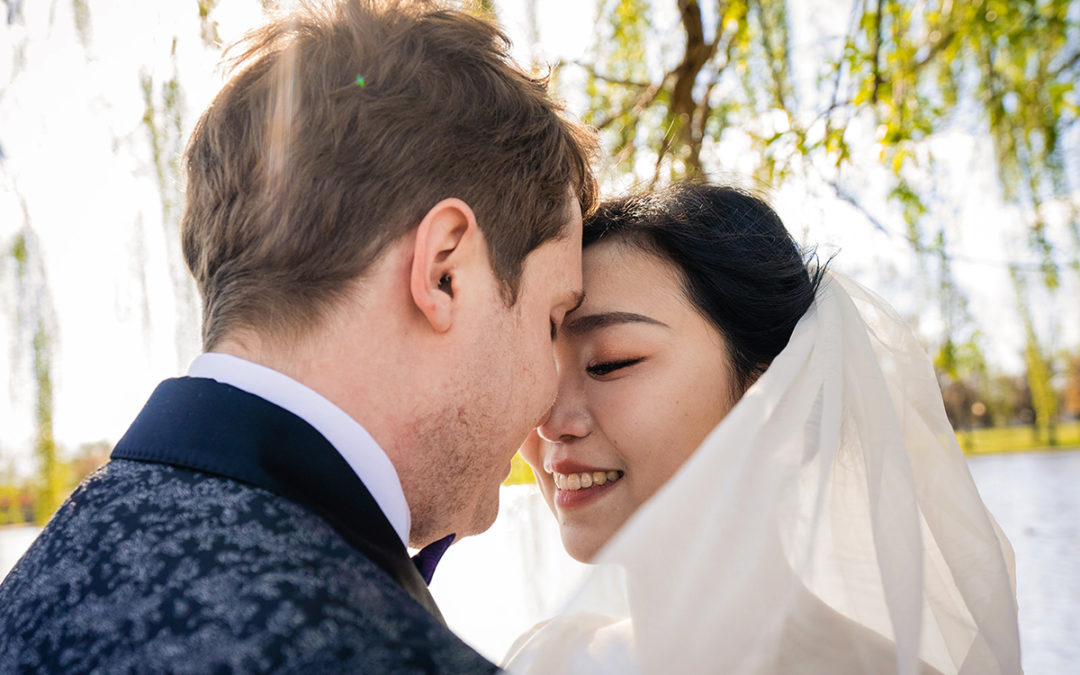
590,322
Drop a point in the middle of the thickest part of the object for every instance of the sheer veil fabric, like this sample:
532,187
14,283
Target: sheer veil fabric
828,525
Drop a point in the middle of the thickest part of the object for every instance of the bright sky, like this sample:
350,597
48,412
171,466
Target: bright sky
75,149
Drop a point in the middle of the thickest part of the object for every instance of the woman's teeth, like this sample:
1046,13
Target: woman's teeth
581,481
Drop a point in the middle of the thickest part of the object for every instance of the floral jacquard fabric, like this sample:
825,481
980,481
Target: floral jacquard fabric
153,568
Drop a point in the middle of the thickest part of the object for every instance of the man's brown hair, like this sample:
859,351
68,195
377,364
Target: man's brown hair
342,126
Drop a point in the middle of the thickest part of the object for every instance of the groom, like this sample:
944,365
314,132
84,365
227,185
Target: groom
384,222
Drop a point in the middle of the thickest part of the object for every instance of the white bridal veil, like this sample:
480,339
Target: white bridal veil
828,525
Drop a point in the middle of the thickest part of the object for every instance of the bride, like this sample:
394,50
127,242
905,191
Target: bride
755,455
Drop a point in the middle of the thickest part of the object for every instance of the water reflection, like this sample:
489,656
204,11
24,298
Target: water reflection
14,540
1036,500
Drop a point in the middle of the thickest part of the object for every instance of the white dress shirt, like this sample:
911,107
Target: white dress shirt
348,437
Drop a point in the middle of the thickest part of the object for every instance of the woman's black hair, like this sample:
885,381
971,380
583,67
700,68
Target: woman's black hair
740,267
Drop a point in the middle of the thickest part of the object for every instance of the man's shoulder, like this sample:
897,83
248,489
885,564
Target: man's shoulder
149,564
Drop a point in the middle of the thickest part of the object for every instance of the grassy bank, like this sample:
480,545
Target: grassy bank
1016,439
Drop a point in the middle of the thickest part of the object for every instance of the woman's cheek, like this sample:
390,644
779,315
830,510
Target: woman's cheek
625,411
530,451
642,420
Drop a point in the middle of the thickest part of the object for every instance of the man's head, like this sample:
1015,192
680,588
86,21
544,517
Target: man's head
361,147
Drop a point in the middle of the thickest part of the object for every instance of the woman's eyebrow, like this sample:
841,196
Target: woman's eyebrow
577,325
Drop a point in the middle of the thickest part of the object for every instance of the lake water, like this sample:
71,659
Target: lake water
13,542
1034,496
1036,500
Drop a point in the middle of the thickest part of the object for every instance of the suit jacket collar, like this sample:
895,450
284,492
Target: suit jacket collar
200,424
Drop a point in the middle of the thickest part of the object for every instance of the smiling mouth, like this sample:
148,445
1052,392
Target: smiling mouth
585,480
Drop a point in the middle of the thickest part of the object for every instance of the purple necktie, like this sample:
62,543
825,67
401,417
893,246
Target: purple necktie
428,557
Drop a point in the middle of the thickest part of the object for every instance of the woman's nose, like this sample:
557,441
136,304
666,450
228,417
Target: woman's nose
567,420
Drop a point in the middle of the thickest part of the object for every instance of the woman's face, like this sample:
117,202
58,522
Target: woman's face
643,378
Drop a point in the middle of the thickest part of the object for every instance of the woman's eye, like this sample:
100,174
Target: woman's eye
607,367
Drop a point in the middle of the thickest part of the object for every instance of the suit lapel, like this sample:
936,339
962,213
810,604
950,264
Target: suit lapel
200,424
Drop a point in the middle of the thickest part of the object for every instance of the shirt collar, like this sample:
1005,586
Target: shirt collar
349,438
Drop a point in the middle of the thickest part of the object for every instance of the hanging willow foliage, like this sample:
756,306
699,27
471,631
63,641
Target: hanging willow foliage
163,121
35,324
911,67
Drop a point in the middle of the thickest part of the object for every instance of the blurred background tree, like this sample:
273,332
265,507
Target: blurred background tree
1071,403
34,328
666,104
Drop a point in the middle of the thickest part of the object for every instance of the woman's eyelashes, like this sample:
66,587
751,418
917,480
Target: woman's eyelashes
608,367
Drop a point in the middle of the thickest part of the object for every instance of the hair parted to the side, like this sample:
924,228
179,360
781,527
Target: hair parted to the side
739,265
343,124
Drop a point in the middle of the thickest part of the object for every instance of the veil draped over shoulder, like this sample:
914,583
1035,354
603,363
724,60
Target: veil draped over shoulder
829,524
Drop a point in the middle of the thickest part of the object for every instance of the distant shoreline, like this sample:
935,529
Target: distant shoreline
1018,438
979,452
16,526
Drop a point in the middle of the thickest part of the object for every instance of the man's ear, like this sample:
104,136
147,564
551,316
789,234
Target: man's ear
444,245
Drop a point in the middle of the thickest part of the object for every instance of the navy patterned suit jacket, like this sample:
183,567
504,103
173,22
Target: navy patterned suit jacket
225,535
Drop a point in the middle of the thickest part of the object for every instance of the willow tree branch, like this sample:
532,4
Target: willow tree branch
766,44
665,145
635,106
877,53
935,49
1071,63
591,69
846,196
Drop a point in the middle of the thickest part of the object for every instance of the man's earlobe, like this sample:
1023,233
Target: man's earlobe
445,240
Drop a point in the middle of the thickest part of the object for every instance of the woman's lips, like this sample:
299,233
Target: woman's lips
569,466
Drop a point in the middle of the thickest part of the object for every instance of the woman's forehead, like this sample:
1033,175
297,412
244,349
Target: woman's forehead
617,273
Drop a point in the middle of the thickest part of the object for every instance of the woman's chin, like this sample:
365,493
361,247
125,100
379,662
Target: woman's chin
583,546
